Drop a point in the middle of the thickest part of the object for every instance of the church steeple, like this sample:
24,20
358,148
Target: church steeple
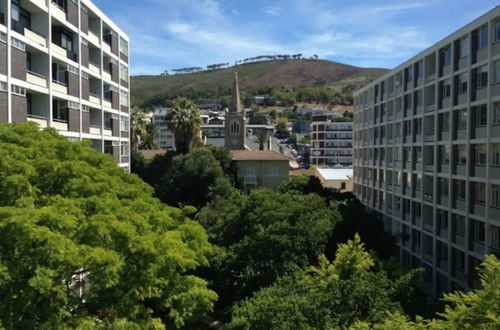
236,103
235,125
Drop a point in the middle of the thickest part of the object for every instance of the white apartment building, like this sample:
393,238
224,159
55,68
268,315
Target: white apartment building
331,141
64,64
165,138
427,154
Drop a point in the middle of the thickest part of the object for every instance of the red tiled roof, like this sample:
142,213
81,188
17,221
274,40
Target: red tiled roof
257,155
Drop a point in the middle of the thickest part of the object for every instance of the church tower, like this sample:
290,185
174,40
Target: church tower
235,127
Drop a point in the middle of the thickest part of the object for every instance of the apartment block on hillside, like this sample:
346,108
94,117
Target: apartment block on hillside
64,64
427,154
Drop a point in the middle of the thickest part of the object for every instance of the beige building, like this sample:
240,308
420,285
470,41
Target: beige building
337,178
261,169
427,154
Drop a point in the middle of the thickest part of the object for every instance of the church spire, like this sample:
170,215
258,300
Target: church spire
236,103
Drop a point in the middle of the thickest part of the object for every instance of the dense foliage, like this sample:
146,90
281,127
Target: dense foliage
262,236
85,244
328,296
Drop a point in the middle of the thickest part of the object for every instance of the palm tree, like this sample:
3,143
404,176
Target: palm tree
138,129
184,121
149,141
262,139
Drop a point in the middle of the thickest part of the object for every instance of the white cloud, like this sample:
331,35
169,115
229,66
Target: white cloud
272,11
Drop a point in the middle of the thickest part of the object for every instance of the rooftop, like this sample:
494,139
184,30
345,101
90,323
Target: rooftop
257,155
335,174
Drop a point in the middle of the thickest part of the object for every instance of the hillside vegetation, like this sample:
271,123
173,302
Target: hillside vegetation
281,75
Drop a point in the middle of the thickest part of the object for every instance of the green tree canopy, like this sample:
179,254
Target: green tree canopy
332,295
82,241
263,236
194,179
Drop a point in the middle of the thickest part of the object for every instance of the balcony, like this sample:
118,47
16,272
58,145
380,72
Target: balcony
2,18
37,79
41,121
58,12
106,47
106,75
94,67
60,125
60,87
95,129
94,38
94,98
59,50
35,37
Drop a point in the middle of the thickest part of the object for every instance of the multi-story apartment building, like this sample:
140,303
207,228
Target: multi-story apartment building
165,138
427,154
64,64
331,141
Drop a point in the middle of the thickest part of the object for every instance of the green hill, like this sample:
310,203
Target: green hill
289,74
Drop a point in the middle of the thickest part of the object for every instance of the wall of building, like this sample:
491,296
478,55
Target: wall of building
264,174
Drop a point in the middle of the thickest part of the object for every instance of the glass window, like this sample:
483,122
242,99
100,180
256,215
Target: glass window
497,31
3,86
272,171
495,196
463,47
124,98
495,154
496,113
481,115
446,56
123,73
125,149
496,74
461,119
480,154
482,76
124,123
123,47
483,36
460,189
461,83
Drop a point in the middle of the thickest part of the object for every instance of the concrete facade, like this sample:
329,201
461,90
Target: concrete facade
62,70
427,154
331,141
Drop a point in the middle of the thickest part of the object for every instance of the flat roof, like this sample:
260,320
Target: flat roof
258,155
336,174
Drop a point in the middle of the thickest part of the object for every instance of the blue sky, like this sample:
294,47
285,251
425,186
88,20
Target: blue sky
169,34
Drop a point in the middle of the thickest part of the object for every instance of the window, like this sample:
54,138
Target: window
445,56
419,69
480,154
479,193
458,225
445,154
3,37
460,189
3,86
123,47
443,186
496,73
495,196
250,171
477,231
480,115
125,149
445,89
18,90
461,154
495,154
123,73
461,83
20,17
497,31
18,44
444,122
461,119
272,171
482,40
495,237
463,47
496,113
124,98
59,113
124,124
482,76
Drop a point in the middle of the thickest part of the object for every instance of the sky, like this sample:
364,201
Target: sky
172,34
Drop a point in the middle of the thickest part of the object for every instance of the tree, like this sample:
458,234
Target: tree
479,309
332,295
184,120
263,236
193,179
84,242
262,139
149,142
138,125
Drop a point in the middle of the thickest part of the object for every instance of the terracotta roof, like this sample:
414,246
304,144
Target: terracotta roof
150,154
257,155
302,172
